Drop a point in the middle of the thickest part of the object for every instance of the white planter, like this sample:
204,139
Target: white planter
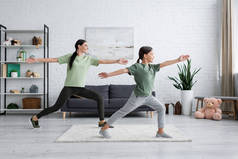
187,101
14,74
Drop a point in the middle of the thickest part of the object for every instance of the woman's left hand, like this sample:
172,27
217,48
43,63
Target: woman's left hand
122,61
31,60
103,75
183,58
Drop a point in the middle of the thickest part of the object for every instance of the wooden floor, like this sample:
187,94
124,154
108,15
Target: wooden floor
211,139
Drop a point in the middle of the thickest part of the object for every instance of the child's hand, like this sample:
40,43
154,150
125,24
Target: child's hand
183,58
103,75
31,60
122,61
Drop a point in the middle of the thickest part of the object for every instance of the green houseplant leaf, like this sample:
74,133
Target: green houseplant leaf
185,77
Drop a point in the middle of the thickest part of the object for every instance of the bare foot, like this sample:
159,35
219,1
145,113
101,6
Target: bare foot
161,131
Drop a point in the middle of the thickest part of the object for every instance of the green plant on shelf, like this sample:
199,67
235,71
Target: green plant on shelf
14,71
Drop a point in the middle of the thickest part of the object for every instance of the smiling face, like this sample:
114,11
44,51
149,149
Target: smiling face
83,48
149,57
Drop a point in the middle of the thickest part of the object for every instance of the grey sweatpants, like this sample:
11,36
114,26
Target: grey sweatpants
134,102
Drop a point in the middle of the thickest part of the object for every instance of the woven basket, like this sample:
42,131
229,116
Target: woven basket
31,103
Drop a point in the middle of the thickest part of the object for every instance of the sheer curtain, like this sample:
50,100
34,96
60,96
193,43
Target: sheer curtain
228,50
227,88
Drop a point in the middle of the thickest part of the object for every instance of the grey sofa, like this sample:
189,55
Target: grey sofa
114,96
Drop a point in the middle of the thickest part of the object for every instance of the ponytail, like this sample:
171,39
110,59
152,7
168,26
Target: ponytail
72,58
143,50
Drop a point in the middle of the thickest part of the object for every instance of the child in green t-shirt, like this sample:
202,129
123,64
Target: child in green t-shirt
144,75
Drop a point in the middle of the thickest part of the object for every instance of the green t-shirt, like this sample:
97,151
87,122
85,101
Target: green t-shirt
76,76
144,75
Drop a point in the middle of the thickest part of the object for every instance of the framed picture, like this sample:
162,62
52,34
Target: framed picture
110,42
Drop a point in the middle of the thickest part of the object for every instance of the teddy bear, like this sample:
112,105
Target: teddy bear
211,109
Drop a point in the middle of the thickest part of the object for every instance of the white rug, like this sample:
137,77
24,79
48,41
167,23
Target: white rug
121,133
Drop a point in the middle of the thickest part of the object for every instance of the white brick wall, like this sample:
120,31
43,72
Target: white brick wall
171,27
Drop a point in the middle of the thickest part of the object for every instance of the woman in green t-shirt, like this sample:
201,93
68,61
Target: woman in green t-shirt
77,68
144,75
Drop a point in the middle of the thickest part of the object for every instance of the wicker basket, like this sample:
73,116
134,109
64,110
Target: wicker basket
31,103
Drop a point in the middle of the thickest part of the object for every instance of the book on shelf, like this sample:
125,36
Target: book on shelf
4,70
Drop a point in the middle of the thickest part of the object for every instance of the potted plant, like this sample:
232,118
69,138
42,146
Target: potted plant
28,73
14,73
185,83
19,59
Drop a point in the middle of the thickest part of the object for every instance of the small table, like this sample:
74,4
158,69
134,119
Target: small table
234,101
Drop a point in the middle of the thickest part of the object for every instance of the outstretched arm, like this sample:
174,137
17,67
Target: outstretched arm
115,73
34,60
119,61
170,62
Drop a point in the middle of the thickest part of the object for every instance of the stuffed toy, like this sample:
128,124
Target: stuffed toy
10,41
16,42
210,110
32,74
7,42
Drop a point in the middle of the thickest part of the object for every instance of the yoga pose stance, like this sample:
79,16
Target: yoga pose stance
144,75
77,68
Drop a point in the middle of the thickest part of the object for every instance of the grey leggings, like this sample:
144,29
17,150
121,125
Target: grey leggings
134,102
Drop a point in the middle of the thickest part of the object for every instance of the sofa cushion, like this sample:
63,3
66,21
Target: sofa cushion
84,103
120,102
117,102
144,108
102,90
121,91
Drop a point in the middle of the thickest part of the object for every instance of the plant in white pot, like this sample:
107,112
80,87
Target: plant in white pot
14,73
185,83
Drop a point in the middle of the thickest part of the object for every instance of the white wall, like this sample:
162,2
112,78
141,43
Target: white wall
171,27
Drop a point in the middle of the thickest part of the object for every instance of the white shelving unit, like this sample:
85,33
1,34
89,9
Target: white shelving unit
21,62
21,31
23,46
18,78
22,94
21,110
22,81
